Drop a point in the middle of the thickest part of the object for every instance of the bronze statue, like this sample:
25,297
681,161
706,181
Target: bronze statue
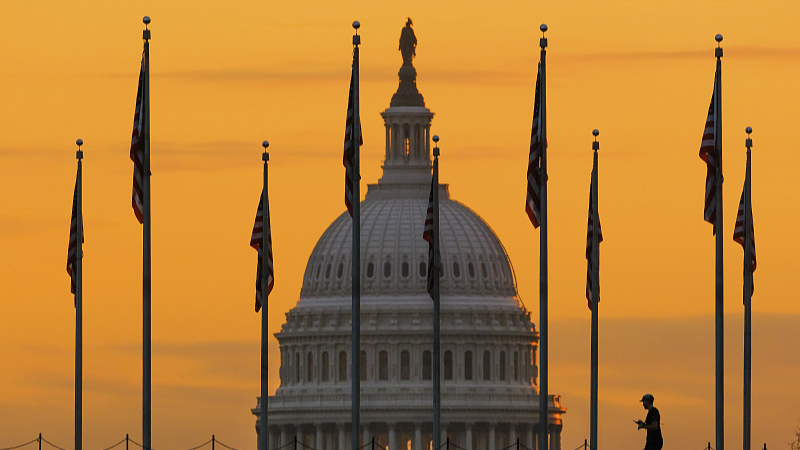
408,43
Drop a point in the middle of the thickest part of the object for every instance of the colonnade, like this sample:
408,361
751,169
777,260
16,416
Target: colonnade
414,435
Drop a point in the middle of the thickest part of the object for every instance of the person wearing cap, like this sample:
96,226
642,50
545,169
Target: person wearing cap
652,423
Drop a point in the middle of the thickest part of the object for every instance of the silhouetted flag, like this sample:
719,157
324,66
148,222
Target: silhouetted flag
589,250
738,233
708,154
349,147
137,149
255,241
73,239
427,234
533,200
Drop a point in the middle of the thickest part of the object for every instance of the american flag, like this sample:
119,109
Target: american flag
589,250
137,149
72,251
533,201
708,154
255,242
349,148
738,234
427,234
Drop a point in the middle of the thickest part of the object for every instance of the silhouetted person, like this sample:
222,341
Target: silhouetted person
652,423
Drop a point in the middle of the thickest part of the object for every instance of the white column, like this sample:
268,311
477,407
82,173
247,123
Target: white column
388,140
392,444
468,437
492,442
342,445
417,436
529,442
284,436
318,429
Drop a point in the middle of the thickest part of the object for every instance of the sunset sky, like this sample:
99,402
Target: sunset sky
227,75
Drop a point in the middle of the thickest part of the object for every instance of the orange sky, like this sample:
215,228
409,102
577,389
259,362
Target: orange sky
225,77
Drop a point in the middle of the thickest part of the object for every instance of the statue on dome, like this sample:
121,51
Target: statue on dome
408,43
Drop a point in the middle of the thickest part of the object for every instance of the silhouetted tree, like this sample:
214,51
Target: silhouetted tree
795,445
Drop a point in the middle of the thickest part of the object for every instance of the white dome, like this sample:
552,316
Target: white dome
394,255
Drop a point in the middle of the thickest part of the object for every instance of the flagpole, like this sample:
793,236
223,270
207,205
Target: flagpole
266,230
595,292
543,287
437,382
79,304
748,292
146,278
719,303
355,351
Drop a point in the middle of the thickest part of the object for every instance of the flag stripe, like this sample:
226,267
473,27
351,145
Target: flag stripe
427,234
590,248
708,154
348,159
256,240
738,233
72,250
533,198
137,149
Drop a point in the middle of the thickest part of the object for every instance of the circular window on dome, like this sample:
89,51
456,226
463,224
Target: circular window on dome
471,269
370,269
340,270
456,269
387,269
405,269
328,271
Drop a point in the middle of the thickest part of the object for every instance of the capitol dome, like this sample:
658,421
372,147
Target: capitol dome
489,395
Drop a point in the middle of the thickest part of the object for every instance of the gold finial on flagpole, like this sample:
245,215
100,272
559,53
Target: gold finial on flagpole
748,142
265,156
595,144
79,153
146,32
356,37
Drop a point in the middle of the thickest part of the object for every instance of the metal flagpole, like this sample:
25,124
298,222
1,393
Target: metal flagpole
720,339
595,291
265,233
355,351
748,291
543,287
146,279
437,382
79,304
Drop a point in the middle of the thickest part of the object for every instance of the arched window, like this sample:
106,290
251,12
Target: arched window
297,378
405,365
363,363
370,269
325,366
516,366
387,269
310,367
468,365
471,269
342,365
456,269
405,269
383,365
423,269
487,365
484,272
340,270
448,365
406,147
328,271
503,366
426,365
